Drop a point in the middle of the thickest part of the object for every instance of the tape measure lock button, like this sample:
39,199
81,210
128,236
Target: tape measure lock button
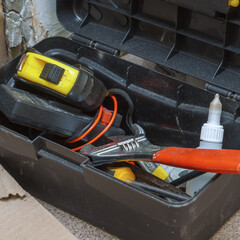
52,73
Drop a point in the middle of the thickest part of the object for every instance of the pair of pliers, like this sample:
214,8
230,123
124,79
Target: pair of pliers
130,148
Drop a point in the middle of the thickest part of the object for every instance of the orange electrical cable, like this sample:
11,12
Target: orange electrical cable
106,128
90,129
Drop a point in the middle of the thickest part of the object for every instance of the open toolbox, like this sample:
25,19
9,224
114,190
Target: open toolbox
200,40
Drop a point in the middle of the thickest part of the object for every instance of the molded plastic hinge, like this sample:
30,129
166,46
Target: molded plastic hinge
96,45
223,92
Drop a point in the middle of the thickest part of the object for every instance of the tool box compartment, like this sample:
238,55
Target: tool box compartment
65,179
170,110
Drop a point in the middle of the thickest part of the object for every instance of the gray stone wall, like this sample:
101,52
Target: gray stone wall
29,21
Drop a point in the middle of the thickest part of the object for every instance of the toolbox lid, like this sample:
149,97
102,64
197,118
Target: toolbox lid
200,38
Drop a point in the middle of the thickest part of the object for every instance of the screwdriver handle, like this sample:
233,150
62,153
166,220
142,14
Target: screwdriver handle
206,160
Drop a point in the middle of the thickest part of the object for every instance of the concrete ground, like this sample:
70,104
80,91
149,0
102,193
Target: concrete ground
78,227
85,231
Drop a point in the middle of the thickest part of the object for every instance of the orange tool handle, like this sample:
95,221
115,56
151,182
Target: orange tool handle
206,160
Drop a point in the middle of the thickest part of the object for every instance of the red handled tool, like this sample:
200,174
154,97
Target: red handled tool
206,160
140,149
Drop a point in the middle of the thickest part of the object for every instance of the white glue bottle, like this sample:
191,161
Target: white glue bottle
211,138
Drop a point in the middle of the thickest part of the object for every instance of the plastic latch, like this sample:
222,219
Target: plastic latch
233,3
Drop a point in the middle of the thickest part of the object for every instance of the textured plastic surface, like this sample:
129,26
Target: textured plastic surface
178,110
198,38
24,108
192,37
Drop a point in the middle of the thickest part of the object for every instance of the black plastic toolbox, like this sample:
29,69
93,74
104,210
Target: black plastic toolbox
196,38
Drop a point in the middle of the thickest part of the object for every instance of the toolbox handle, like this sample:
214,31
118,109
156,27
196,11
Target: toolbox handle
47,148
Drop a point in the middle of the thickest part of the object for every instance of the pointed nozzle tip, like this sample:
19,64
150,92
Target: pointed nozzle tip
215,110
216,103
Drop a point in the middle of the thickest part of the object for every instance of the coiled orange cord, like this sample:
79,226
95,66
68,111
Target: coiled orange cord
104,130
90,129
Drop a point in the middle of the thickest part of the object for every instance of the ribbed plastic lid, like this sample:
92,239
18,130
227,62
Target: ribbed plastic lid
200,38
